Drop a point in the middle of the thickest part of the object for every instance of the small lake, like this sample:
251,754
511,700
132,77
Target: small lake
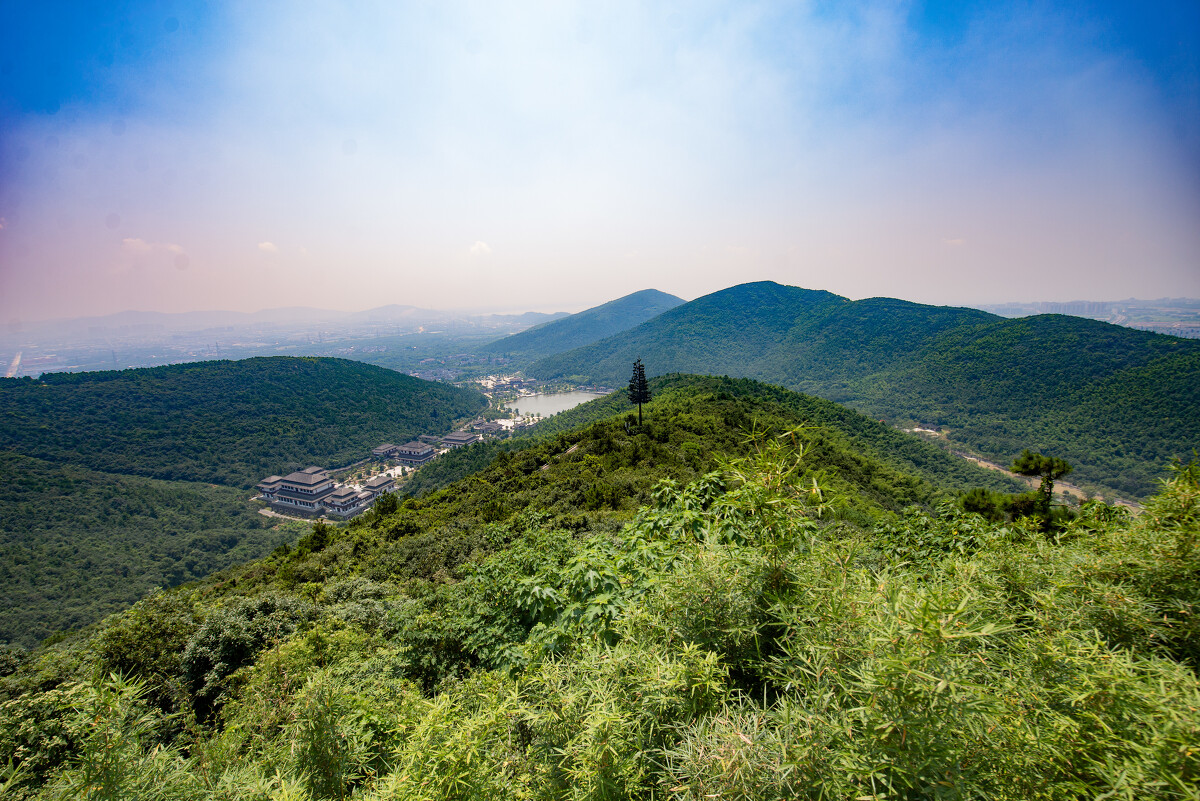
552,403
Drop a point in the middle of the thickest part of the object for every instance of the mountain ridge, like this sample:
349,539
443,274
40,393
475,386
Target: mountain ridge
589,325
1000,384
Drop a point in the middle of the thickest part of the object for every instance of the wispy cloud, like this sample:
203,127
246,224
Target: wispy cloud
140,253
135,245
268,247
480,249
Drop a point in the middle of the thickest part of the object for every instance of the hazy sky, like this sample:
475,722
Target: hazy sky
202,155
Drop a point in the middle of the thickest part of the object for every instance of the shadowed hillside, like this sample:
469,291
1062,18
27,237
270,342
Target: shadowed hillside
585,327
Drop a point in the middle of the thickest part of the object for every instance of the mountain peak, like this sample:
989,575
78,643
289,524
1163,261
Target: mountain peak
588,326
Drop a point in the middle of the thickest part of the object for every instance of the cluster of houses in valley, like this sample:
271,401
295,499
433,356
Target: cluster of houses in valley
311,492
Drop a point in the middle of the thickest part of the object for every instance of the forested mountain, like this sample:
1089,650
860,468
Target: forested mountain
719,603
1118,403
224,422
585,327
86,528
737,326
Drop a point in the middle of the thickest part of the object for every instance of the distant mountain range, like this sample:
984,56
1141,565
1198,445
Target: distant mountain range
1117,403
585,327
409,317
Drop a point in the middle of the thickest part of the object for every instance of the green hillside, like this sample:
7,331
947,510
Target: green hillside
732,328
736,405
1119,403
585,327
76,544
713,605
224,422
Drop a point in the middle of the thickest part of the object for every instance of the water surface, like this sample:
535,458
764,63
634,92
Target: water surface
551,403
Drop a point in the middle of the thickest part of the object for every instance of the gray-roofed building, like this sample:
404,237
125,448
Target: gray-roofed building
304,490
456,439
383,451
414,453
379,485
343,501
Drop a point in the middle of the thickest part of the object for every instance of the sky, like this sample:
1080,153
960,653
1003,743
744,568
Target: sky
176,156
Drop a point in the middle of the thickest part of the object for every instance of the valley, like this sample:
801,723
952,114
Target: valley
746,556
708,555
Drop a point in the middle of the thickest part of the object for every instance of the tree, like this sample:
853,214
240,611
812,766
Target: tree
1050,469
387,504
639,390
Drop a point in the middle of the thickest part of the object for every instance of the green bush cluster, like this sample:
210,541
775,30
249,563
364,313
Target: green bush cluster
781,616
738,638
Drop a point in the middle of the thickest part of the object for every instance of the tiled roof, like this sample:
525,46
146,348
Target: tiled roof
301,496
305,478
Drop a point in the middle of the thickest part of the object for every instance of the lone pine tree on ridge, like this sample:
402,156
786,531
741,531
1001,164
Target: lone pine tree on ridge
639,390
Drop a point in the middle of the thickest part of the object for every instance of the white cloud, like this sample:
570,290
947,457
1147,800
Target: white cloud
268,247
143,253
953,242
480,249
130,245
137,246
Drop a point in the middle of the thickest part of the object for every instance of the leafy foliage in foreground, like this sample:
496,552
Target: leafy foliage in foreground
76,545
737,638
224,422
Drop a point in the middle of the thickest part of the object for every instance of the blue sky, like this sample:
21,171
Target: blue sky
179,155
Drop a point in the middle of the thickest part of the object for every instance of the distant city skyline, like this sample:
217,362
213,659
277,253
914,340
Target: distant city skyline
182,156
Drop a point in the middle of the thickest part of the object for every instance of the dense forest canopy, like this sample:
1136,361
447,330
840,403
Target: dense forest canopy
78,544
1118,403
89,527
224,422
733,600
